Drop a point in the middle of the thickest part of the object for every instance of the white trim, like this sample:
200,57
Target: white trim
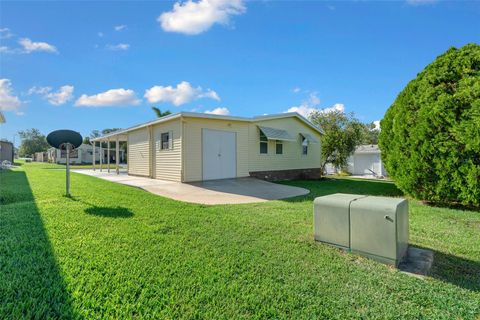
210,116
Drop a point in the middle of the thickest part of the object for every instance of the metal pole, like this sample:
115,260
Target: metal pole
68,170
108,156
93,154
117,156
101,155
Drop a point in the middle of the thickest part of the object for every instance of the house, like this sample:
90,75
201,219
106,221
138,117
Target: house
40,156
81,155
6,151
365,160
189,146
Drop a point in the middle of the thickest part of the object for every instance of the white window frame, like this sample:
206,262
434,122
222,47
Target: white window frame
263,141
278,142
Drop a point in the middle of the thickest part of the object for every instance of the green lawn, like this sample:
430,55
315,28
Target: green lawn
114,251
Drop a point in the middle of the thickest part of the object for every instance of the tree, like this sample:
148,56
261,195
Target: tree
32,141
430,138
86,140
159,112
370,133
343,133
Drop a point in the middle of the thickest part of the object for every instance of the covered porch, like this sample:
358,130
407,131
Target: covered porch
116,138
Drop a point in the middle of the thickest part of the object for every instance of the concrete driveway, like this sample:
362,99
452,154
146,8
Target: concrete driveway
228,191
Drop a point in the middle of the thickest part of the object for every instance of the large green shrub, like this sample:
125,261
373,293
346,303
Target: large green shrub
430,138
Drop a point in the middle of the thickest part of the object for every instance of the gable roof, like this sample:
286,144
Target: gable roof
211,116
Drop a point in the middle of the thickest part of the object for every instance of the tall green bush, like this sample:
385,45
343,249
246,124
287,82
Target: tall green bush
430,138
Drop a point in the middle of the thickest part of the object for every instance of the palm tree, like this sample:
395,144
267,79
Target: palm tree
159,112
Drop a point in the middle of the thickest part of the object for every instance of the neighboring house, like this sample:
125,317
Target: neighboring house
40,157
366,160
189,146
81,155
6,151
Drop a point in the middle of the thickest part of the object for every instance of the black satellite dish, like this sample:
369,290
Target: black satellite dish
59,139
65,140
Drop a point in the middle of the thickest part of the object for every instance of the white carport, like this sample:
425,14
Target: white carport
117,137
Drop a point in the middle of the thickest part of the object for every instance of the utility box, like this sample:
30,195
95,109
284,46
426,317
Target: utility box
379,228
332,218
375,227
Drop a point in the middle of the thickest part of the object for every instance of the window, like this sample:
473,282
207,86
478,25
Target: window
165,141
263,143
304,146
305,150
278,147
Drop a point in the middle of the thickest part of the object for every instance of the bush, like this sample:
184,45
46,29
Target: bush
430,138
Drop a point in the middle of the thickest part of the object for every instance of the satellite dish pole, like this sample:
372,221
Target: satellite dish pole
67,140
68,170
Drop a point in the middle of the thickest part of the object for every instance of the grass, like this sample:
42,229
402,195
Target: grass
113,251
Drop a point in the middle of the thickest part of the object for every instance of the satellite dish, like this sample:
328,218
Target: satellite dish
60,138
65,140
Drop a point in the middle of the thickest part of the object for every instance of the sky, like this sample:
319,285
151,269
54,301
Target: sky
94,65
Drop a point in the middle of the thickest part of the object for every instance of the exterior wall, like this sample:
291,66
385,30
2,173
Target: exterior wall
6,151
358,162
292,157
290,174
139,152
167,164
192,128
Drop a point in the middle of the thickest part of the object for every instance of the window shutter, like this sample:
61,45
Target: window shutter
170,140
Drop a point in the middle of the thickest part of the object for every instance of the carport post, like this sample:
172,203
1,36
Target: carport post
117,156
101,155
93,155
108,155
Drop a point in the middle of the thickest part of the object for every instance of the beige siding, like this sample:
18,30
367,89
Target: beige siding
292,157
193,145
138,152
168,163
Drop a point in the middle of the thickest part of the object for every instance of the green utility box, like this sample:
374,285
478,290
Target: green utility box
376,227
332,219
379,228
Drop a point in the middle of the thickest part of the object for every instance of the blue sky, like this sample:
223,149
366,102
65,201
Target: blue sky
95,65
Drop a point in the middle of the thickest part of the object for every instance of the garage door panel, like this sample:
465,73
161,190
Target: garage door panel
218,154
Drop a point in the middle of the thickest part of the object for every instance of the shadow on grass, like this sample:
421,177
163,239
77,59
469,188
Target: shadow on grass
326,186
116,212
31,285
458,271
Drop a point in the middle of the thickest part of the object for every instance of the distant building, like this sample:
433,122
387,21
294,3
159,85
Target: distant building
6,151
366,160
82,155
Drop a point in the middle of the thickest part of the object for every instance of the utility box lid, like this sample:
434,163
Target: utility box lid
331,218
379,228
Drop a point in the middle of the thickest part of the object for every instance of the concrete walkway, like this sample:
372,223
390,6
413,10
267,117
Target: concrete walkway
228,191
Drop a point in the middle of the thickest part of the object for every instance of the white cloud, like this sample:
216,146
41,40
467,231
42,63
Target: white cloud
377,125
39,90
296,90
100,34
420,2
118,47
5,49
30,46
219,111
113,97
181,94
196,17
120,27
307,107
5,33
8,102
20,113
64,94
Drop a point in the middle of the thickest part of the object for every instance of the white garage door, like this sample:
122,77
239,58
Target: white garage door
364,163
219,154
